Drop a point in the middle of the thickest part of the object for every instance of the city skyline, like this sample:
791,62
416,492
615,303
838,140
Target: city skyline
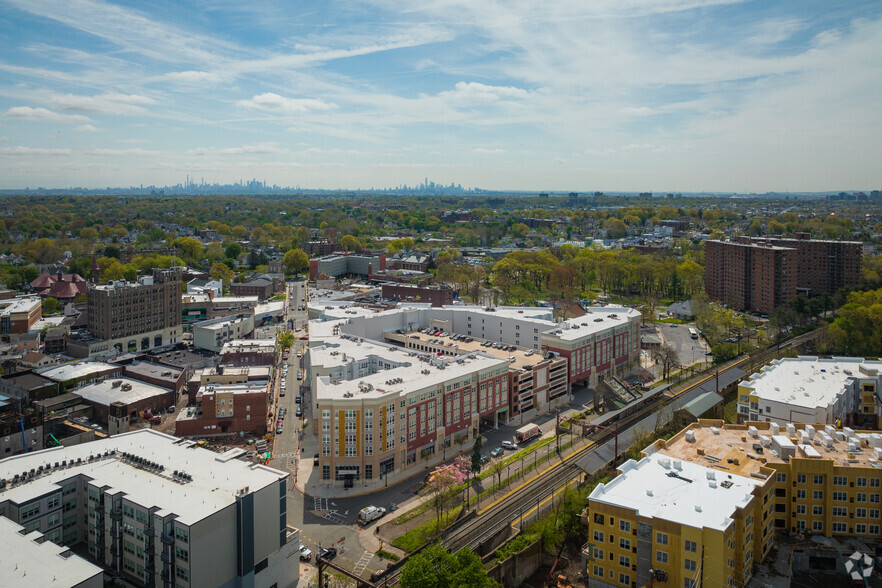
675,95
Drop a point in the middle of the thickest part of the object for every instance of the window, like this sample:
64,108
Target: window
182,535
182,573
840,496
781,477
624,561
874,498
800,494
818,479
861,497
874,513
661,538
861,513
182,554
800,478
625,526
661,557
625,544
839,527
874,529
817,510
691,546
598,536
840,481
598,554
800,509
597,571
861,482
800,526
840,511
817,526
860,528
688,583
53,502
874,482
690,565
818,494
624,579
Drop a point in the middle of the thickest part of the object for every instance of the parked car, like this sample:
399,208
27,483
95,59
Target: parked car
298,399
299,412
509,445
497,452
370,513
329,553
279,430
485,459
305,553
393,507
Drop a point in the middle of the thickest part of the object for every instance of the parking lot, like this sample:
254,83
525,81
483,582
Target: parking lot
689,351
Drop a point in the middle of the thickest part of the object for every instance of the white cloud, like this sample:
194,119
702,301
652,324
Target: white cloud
22,150
88,129
487,151
193,77
42,114
100,152
118,104
259,149
477,92
272,102
636,110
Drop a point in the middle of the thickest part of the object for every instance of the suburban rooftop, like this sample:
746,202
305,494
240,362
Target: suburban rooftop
658,486
720,442
216,478
808,381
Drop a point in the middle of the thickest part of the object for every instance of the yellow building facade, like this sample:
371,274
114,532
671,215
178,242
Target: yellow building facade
707,503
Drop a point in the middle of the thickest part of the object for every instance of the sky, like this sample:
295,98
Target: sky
636,95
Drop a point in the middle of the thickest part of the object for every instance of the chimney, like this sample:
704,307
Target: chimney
211,294
370,269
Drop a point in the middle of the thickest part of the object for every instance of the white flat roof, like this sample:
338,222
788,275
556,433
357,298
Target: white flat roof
598,319
248,345
106,393
216,477
418,375
13,305
646,487
332,353
272,306
808,381
80,369
25,562
218,300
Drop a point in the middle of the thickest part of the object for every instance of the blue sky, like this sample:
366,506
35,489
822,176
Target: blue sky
502,94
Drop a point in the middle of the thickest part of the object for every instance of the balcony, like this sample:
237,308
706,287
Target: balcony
116,514
167,538
166,557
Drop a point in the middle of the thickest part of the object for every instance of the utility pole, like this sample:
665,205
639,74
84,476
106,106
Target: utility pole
557,433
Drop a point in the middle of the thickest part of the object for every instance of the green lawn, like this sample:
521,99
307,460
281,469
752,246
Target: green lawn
418,536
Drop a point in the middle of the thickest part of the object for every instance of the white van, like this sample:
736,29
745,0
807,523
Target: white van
370,513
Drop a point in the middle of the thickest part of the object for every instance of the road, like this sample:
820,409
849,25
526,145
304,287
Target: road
689,350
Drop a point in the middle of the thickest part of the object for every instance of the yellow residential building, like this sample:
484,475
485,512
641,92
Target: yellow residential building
706,504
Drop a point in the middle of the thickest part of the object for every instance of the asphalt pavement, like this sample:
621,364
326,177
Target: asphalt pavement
689,350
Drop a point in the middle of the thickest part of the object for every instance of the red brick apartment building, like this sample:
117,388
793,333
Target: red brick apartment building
762,273
749,276
437,295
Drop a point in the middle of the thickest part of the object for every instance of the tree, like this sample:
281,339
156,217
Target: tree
286,339
50,305
348,242
497,468
295,261
435,567
667,357
233,250
220,271
615,228
476,455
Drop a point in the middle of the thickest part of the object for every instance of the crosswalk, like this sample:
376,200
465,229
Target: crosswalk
365,559
334,518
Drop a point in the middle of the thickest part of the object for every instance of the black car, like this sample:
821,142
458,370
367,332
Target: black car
329,553
298,400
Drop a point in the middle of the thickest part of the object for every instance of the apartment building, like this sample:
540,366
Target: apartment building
383,412
435,295
705,505
604,341
822,267
18,316
226,374
30,560
130,316
537,380
157,510
342,264
222,409
248,352
213,334
808,389
750,276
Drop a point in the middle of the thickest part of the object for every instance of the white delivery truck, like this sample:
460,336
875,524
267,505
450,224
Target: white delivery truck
370,513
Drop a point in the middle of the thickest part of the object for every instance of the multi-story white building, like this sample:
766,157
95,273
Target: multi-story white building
213,334
157,510
807,389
